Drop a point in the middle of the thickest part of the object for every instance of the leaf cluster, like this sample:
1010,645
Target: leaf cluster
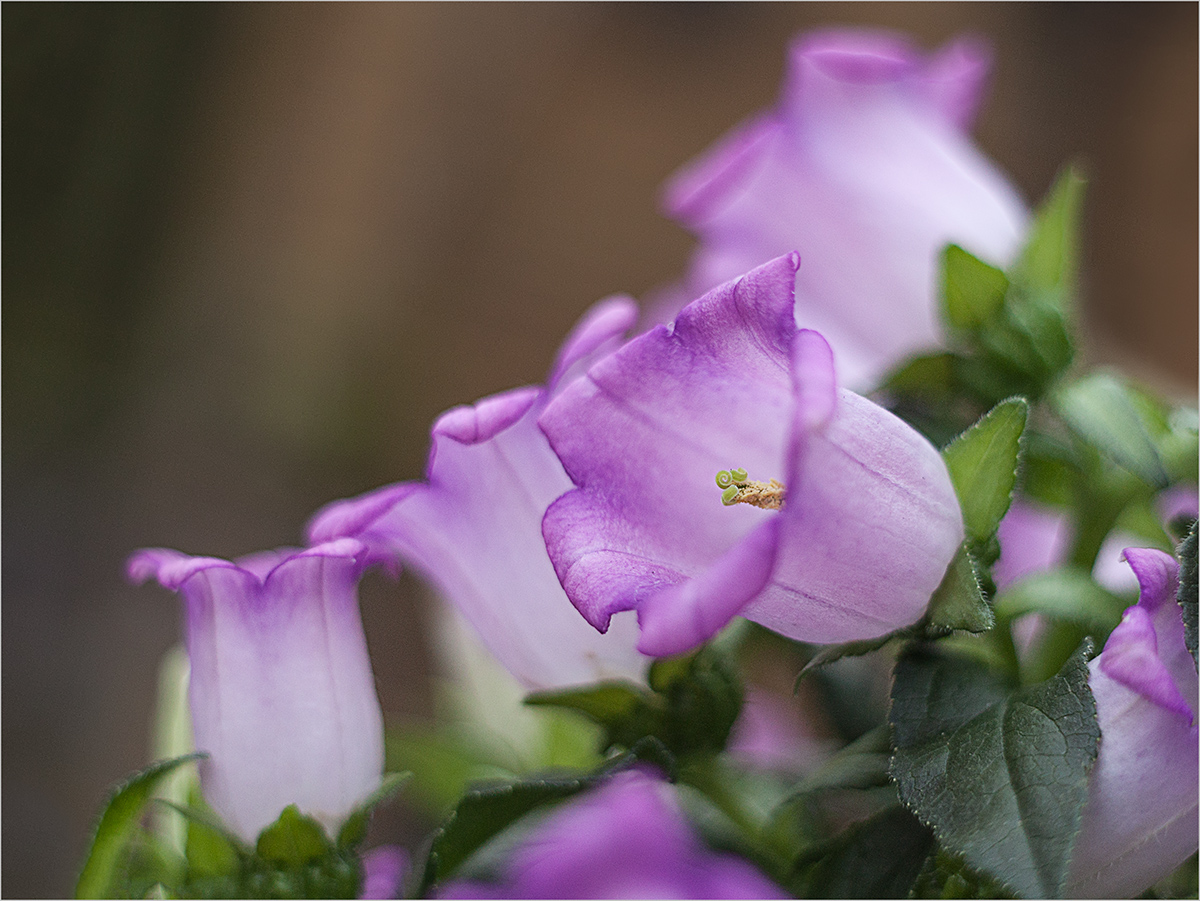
293,857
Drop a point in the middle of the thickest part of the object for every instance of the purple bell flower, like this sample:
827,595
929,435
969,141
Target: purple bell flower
473,527
625,839
1140,821
848,544
865,165
281,691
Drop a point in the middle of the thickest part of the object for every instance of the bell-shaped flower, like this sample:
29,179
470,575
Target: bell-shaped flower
281,692
1140,821
841,530
624,839
473,527
866,166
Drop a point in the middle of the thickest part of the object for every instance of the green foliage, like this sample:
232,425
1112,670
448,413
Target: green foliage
292,858
1049,259
1069,594
972,291
1187,590
861,764
830,653
998,772
948,876
104,873
443,762
983,467
1104,411
690,706
877,858
1008,332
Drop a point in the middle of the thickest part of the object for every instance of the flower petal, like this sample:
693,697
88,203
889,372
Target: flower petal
1140,821
648,428
871,522
1131,658
863,166
281,691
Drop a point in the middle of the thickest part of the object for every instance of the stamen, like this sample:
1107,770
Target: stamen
738,488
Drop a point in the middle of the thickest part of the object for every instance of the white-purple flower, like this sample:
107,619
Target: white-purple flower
281,692
870,519
625,839
865,166
473,527
1140,821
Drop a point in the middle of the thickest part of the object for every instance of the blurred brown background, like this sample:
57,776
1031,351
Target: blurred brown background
249,253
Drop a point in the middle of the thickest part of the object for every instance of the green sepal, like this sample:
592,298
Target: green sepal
831,653
212,850
1069,594
958,604
486,811
293,840
1105,412
983,467
972,291
879,857
104,873
1187,591
954,722
354,829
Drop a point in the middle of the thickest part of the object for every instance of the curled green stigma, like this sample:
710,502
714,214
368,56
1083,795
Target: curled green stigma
738,488
728,477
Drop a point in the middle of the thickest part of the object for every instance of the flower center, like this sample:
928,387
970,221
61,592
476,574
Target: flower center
739,488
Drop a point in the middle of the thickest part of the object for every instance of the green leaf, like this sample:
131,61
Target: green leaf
1101,409
354,830
999,774
972,291
983,467
103,872
1048,260
293,840
877,858
1069,594
1187,590
958,605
